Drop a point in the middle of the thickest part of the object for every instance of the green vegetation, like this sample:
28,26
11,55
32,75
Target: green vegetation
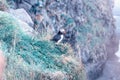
34,59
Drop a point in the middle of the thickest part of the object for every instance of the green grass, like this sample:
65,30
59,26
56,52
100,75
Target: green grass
34,59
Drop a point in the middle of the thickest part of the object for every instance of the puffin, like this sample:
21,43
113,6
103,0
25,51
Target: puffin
59,36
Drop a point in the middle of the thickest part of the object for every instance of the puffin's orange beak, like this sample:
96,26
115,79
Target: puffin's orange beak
64,32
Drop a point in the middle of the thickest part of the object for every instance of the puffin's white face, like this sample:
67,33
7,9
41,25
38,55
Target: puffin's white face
62,30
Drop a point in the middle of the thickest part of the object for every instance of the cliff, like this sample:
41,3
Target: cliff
89,26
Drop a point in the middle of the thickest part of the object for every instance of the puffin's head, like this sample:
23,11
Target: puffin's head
62,30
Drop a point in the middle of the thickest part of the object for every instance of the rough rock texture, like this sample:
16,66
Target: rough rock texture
3,5
26,28
22,15
89,25
112,66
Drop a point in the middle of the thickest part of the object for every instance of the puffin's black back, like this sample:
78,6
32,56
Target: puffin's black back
56,38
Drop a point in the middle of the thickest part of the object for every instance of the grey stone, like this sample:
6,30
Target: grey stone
22,15
26,28
25,5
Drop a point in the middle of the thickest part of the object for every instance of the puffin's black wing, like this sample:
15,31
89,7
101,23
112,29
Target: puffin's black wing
56,38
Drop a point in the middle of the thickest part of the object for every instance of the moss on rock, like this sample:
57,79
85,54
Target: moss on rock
34,59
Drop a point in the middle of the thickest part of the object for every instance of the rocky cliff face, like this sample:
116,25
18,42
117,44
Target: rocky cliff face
89,25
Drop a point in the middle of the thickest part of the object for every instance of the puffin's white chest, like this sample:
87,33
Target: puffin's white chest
61,38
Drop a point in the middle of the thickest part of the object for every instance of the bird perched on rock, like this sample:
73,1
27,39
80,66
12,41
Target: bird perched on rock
59,36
